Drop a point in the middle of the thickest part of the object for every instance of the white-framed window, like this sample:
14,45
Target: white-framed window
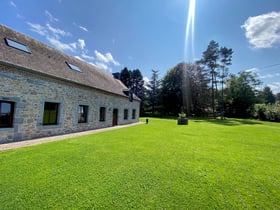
82,114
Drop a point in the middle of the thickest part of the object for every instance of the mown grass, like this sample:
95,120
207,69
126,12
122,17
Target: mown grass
209,164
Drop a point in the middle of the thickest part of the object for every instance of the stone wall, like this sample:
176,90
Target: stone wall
29,92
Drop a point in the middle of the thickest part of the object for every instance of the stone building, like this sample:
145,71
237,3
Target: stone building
44,92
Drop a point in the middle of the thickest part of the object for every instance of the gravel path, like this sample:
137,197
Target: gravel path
15,145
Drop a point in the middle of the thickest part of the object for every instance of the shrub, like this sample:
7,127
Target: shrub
182,115
270,112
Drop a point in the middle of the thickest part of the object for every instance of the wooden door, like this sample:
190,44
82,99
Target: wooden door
115,117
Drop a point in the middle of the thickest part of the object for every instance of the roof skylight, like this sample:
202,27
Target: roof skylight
73,67
17,45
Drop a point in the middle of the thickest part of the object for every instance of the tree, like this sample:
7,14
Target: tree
200,92
137,83
125,77
278,97
241,94
185,88
210,59
133,80
153,90
195,90
226,56
184,70
269,97
171,93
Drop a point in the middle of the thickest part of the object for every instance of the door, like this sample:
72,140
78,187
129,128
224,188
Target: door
115,117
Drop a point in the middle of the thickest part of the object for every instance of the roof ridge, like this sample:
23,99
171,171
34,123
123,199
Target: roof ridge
48,60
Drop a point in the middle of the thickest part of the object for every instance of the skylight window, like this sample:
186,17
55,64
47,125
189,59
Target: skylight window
17,45
73,67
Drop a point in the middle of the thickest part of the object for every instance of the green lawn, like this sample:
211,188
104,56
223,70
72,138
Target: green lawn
209,164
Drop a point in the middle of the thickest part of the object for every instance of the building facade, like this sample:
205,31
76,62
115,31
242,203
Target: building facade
44,92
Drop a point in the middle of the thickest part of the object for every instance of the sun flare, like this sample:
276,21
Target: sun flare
188,55
189,38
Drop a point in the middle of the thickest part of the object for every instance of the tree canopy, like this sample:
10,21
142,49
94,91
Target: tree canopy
133,79
203,88
241,94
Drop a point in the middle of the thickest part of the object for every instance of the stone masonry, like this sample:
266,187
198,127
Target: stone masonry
29,91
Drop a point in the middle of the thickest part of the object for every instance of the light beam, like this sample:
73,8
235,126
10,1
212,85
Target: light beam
189,37
188,56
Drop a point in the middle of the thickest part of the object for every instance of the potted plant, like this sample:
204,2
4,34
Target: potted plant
182,119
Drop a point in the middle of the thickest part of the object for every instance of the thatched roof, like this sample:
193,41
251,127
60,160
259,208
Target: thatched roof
49,61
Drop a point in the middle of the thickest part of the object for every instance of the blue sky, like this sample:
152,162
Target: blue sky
151,34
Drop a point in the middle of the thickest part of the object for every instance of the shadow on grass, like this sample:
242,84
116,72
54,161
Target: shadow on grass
229,121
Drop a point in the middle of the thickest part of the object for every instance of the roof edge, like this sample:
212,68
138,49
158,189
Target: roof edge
59,78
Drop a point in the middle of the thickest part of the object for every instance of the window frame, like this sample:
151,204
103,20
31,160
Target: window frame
56,122
125,114
85,109
133,114
17,45
10,124
102,114
73,66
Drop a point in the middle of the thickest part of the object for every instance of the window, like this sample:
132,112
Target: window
17,45
133,114
102,114
72,66
50,113
130,96
125,114
6,114
83,113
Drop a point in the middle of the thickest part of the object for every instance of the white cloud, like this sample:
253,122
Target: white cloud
20,16
267,76
55,35
38,28
13,4
257,71
146,79
146,82
83,28
275,87
100,56
47,30
263,31
102,66
57,31
62,46
80,27
111,59
107,58
88,57
82,43
105,61
50,16
253,70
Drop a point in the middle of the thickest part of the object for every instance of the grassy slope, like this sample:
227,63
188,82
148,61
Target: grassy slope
205,165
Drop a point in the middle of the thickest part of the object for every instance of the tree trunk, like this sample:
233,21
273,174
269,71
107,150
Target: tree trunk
213,95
